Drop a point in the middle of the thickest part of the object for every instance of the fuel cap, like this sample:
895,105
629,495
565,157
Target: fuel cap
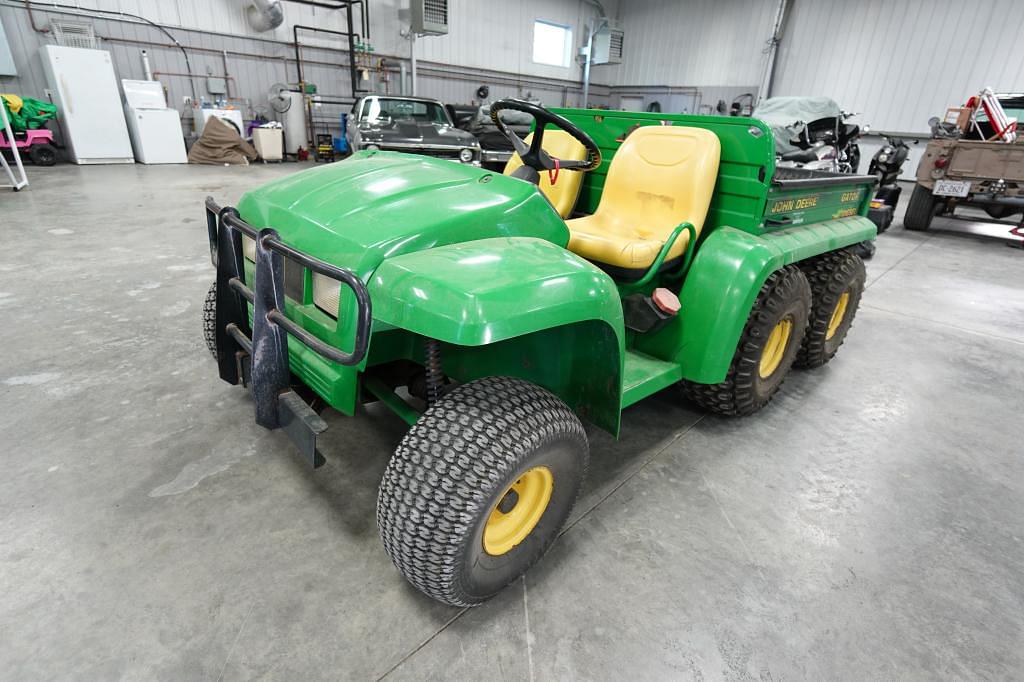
666,301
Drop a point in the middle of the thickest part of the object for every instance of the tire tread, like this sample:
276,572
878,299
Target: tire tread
436,484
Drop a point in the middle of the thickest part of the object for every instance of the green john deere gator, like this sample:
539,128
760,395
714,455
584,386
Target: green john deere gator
620,254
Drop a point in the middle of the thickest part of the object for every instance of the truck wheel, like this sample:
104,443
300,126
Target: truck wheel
837,282
480,487
767,348
920,209
210,320
43,154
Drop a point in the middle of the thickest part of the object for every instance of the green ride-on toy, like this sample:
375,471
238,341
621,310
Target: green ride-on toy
622,254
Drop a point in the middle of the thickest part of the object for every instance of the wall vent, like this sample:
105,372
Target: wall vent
430,17
74,34
608,44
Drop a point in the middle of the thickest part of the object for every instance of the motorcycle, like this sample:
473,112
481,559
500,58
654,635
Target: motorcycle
827,144
886,165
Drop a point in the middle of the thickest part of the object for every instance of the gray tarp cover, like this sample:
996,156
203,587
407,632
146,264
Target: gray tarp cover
780,113
509,117
220,144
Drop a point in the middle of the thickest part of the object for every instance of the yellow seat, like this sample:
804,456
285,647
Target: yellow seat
566,190
660,177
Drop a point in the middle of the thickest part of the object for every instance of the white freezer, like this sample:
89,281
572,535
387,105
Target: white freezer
89,104
155,130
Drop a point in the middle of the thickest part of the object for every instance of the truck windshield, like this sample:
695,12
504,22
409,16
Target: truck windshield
407,109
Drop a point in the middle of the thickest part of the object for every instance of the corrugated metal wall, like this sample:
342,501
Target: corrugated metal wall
490,42
693,43
901,62
897,62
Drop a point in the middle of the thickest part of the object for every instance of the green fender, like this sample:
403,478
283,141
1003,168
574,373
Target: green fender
720,288
515,306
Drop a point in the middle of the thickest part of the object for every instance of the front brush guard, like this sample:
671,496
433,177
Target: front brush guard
258,357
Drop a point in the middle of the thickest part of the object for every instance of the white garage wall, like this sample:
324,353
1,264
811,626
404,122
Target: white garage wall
693,42
897,61
499,35
901,62
490,42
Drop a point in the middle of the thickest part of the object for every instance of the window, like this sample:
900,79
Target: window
406,110
552,43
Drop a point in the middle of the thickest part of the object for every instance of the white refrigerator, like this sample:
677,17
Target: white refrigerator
88,102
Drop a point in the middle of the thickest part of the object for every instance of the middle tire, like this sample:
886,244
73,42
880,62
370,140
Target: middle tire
837,283
480,487
766,350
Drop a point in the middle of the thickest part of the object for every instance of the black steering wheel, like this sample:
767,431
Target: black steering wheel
534,156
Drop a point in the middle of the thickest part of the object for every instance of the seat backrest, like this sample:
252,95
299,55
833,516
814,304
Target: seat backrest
659,177
566,190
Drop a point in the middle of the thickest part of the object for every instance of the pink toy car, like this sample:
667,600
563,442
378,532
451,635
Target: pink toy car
38,143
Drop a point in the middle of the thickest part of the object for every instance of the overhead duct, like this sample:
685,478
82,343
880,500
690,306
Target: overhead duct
265,15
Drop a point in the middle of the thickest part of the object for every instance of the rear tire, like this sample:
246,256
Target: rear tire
767,348
43,154
920,209
837,283
210,320
480,487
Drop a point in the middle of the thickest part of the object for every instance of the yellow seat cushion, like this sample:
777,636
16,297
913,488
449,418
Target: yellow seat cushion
660,177
566,190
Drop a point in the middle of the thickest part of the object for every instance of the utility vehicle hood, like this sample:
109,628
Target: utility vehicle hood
376,204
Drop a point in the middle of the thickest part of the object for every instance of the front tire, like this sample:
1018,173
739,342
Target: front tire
837,283
480,487
766,351
920,209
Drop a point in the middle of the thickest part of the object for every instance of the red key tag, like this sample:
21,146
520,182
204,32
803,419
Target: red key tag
553,174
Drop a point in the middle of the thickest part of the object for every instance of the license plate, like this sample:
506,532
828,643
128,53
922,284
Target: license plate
875,203
951,188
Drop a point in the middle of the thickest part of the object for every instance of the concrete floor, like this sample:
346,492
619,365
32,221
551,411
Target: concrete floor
868,525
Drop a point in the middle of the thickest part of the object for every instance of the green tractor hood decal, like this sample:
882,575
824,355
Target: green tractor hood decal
358,212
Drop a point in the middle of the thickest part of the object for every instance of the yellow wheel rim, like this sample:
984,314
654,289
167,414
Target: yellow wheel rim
516,514
775,348
837,315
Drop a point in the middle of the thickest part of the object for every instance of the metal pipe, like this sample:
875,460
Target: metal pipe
145,66
765,90
351,50
401,78
325,5
591,30
32,19
227,82
412,60
156,75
